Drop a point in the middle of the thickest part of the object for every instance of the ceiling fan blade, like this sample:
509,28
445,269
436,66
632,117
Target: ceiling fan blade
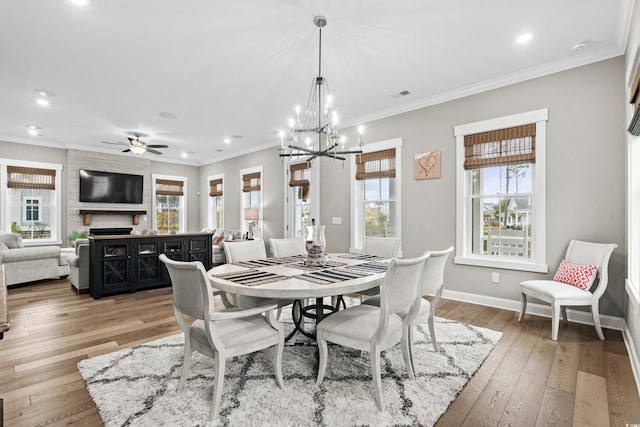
131,139
156,146
115,143
151,150
126,151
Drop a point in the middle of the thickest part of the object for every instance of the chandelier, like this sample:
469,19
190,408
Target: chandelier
306,130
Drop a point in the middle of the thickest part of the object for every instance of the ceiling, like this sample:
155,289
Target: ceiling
237,69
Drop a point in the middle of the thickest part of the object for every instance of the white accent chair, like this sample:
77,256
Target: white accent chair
219,335
374,329
387,247
287,247
432,285
560,295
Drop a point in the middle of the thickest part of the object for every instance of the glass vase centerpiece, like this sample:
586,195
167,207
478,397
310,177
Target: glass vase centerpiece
316,245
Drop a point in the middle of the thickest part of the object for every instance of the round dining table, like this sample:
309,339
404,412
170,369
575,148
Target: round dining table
291,279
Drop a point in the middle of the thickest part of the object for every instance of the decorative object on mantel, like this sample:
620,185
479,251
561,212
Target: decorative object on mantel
88,212
316,245
427,165
319,118
138,386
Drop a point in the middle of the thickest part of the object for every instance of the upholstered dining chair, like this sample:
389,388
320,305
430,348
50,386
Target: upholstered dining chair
374,329
219,335
250,250
387,247
432,285
586,262
287,247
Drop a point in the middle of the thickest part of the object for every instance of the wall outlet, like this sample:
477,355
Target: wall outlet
495,277
336,220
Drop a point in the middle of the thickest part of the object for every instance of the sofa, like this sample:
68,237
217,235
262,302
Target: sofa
79,265
23,265
220,235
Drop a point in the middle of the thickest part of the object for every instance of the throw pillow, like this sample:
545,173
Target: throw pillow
581,276
12,240
228,237
3,246
218,240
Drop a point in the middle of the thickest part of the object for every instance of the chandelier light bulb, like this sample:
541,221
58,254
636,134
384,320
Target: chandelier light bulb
307,141
292,122
360,130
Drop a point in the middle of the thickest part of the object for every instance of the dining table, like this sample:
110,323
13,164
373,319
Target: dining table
291,278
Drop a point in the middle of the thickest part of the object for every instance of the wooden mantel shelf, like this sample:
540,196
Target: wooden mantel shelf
88,212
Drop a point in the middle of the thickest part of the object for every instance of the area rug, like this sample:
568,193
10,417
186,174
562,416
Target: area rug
137,386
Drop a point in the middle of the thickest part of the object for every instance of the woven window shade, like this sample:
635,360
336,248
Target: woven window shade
500,147
251,182
379,164
167,187
299,174
634,125
31,178
215,187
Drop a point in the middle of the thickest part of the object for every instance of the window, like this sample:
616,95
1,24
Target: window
215,216
30,200
300,196
251,201
376,192
500,192
169,204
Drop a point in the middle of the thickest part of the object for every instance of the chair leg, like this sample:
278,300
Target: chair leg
595,311
411,347
217,390
406,353
432,332
376,377
277,362
278,313
523,305
555,308
186,361
563,309
323,354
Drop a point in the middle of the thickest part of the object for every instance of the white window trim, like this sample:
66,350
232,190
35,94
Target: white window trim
210,205
357,189
243,226
56,202
289,192
24,207
464,253
183,207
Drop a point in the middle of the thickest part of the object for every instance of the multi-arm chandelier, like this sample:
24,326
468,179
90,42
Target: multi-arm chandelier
306,130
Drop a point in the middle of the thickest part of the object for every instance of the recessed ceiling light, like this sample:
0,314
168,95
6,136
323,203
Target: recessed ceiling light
236,136
184,155
167,115
524,38
42,102
227,140
32,127
45,93
80,2
32,132
219,150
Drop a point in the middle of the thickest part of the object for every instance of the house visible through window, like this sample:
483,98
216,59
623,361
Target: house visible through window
170,209
501,223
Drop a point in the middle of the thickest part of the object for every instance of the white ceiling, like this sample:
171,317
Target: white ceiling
239,67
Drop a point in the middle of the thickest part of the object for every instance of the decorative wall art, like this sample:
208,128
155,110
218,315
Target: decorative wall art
427,165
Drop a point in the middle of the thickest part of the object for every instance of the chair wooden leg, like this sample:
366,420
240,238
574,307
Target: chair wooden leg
323,354
376,377
563,309
595,311
555,308
406,354
217,390
432,332
186,362
277,362
523,306
411,349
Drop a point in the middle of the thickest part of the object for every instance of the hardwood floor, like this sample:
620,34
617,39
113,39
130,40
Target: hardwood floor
527,380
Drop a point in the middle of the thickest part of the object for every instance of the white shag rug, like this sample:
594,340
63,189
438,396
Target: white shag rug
137,386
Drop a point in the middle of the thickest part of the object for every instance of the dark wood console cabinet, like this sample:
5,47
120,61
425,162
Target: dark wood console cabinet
130,263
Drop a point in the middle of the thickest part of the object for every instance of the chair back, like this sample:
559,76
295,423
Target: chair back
401,289
388,247
246,250
433,274
191,287
586,253
287,247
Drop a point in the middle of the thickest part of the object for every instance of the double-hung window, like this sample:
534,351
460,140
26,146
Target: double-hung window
169,203
501,192
300,195
215,217
30,199
251,203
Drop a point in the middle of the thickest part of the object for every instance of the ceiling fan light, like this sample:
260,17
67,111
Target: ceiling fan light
137,149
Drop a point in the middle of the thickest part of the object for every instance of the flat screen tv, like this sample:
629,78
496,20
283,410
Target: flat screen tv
110,187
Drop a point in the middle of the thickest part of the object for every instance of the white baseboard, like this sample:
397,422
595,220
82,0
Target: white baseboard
577,316
633,356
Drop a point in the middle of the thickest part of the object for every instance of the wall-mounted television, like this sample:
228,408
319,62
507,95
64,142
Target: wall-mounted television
110,187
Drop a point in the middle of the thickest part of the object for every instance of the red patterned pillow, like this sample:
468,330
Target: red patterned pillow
581,276
218,240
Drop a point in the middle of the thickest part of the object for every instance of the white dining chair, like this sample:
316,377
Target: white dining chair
219,335
432,284
287,247
560,295
386,247
374,329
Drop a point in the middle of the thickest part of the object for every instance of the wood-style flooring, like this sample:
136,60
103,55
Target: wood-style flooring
527,380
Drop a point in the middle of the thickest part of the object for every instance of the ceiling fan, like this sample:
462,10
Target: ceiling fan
137,146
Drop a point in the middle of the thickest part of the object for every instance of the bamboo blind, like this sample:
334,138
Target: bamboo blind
215,187
167,187
299,174
251,182
500,147
379,164
31,178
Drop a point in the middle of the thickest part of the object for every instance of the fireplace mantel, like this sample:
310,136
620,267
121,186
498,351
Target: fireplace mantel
88,212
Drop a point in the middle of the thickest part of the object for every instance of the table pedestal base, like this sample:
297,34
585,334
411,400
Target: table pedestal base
317,311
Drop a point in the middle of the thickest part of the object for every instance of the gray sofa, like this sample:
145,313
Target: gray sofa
22,265
79,265
220,235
